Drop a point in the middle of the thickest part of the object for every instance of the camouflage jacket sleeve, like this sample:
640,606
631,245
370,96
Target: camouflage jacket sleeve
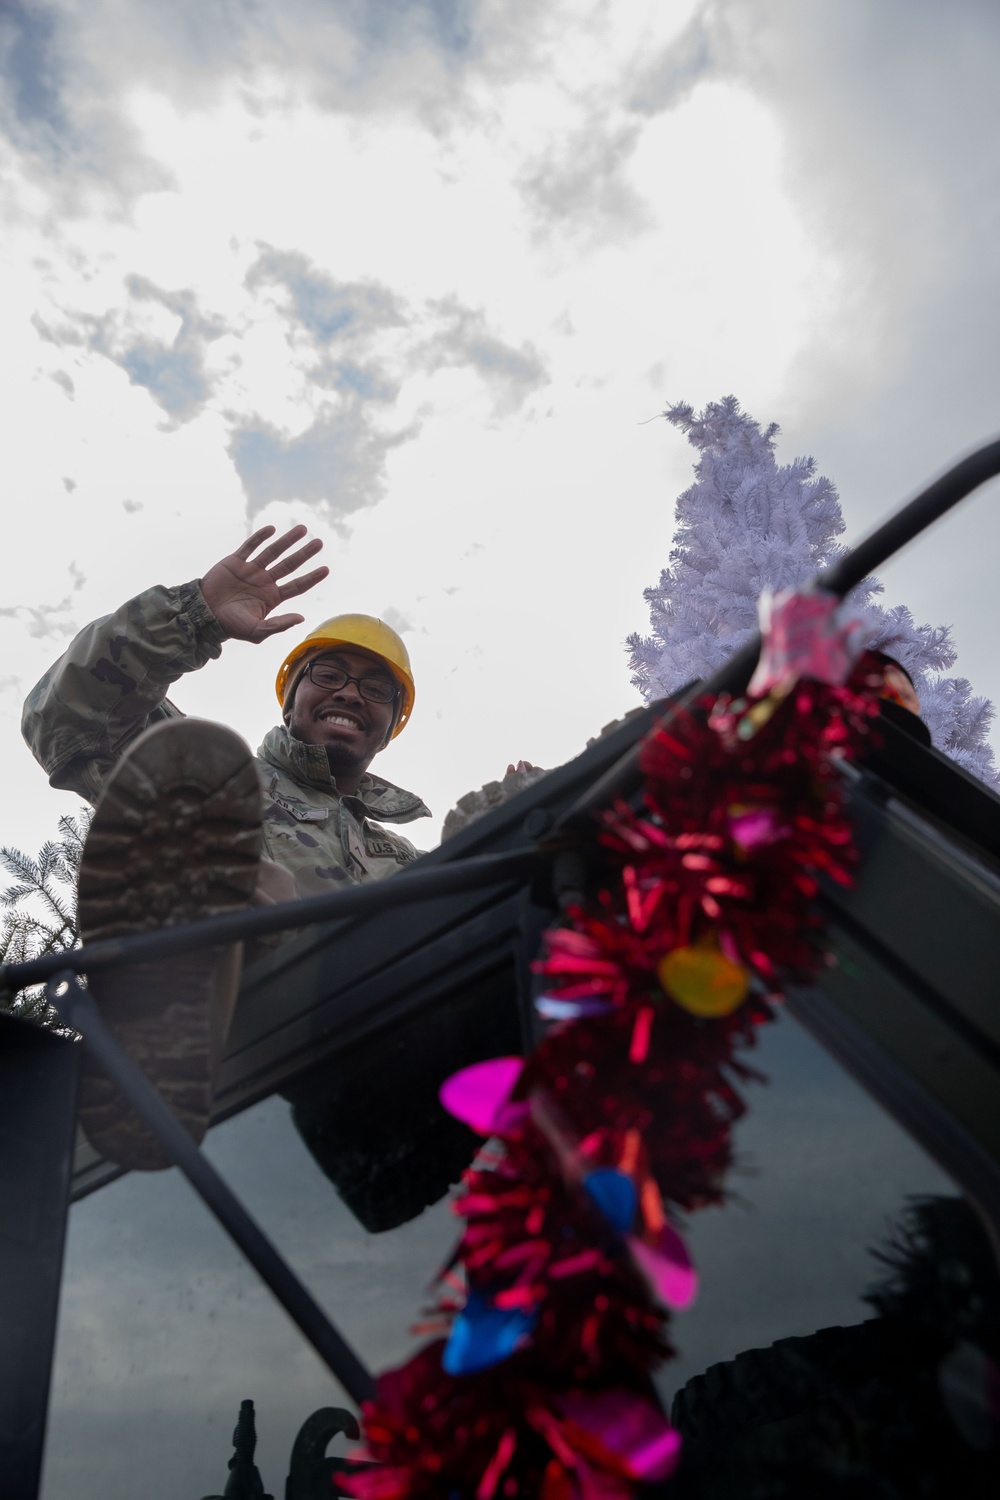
111,684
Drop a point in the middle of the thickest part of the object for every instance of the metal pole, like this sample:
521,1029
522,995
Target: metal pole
929,506
255,921
922,511
77,1008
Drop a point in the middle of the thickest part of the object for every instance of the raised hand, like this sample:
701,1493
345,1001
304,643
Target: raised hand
241,590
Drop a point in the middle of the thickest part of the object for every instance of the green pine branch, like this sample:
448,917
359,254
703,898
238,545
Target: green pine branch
40,909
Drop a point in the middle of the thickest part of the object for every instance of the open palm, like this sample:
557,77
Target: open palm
242,590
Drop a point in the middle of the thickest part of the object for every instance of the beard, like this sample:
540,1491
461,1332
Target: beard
345,761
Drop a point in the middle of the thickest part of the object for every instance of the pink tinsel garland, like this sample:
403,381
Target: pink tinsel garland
553,1313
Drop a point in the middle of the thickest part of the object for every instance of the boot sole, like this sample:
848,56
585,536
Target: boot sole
176,837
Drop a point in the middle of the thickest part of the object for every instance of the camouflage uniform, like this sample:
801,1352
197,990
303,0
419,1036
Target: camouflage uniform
111,684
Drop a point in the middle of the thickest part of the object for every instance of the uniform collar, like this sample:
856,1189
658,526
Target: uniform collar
308,765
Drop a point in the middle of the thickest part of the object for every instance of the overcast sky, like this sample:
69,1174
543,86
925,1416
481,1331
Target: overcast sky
417,273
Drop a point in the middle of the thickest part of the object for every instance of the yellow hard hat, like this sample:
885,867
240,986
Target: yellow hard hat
367,634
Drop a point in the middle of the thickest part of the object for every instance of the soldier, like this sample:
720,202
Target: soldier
184,813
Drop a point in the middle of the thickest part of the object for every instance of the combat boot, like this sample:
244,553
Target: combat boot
176,837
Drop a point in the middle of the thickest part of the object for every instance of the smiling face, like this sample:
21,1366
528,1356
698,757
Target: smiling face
351,728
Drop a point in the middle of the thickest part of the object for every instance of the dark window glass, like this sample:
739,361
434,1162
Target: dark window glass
164,1330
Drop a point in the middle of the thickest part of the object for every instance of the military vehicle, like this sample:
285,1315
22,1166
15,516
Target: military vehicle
846,1341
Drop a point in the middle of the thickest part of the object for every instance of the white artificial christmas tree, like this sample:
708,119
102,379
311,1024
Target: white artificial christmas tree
747,524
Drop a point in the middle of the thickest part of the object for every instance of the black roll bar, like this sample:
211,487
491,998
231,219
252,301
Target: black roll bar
512,867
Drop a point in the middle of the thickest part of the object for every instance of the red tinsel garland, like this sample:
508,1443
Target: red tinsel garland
553,1304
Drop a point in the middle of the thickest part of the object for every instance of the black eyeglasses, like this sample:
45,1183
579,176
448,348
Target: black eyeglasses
376,689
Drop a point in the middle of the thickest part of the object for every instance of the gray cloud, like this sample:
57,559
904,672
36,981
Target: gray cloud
581,184
42,620
448,24
30,70
400,623
336,465
66,70
326,308
65,67
358,340
893,149
667,76
361,341
892,142
335,327
891,153
339,323
465,339
172,371
336,322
